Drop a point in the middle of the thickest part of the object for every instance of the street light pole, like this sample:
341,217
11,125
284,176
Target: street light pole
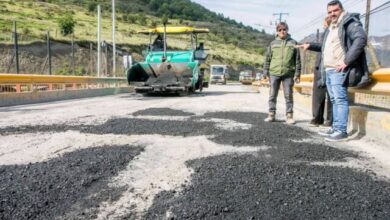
113,40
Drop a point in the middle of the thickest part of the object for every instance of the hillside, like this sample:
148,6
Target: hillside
228,42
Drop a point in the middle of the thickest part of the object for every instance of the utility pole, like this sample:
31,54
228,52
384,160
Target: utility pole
113,40
367,23
98,41
280,14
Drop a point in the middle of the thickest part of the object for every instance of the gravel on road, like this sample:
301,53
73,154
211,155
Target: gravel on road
68,187
285,180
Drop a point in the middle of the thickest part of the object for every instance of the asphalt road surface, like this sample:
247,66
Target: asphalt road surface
204,156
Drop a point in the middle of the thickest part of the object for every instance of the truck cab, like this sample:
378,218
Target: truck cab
218,74
246,77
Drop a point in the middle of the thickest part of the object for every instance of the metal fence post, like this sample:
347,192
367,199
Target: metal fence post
107,72
91,58
98,41
16,48
113,40
73,63
49,51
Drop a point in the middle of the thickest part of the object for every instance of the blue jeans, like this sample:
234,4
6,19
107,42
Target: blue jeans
339,97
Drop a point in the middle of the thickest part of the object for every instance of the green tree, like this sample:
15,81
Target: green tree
165,19
154,5
66,24
164,9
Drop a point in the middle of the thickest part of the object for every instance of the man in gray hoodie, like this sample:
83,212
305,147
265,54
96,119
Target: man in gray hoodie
343,64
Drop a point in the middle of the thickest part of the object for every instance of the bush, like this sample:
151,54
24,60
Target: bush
153,24
92,6
142,19
124,17
66,24
26,31
261,50
131,19
80,71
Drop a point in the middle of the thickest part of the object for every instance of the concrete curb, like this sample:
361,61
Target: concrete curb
370,122
363,121
11,99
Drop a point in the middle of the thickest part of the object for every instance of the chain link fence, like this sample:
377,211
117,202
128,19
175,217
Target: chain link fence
28,53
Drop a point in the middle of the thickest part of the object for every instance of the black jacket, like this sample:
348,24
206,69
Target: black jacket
317,65
353,39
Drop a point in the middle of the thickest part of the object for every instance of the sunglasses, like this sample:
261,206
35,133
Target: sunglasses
280,30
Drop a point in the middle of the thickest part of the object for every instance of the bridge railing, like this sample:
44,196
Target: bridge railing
377,94
380,83
23,83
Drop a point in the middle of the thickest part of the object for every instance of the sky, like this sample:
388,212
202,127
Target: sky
304,16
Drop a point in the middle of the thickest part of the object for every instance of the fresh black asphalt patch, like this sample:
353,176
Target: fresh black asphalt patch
279,183
261,133
258,187
162,112
70,187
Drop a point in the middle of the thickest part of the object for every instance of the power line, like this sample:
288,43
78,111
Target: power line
320,17
377,9
380,10
354,4
372,11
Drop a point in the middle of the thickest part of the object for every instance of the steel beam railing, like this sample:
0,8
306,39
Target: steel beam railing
380,83
18,83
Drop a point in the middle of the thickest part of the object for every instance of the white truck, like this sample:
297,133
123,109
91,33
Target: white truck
246,77
218,74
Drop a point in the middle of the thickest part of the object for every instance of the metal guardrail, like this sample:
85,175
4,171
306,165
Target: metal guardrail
23,83
380,83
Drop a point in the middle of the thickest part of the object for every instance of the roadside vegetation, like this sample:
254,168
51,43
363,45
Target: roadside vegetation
228,42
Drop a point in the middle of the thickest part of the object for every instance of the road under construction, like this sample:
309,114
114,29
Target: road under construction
206,155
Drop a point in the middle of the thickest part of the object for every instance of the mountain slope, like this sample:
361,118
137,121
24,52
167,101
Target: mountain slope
228,42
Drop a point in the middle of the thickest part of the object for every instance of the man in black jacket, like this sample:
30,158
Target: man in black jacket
320,95
343,64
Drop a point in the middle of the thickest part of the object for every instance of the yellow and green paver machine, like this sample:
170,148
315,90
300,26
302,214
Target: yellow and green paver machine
166,71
